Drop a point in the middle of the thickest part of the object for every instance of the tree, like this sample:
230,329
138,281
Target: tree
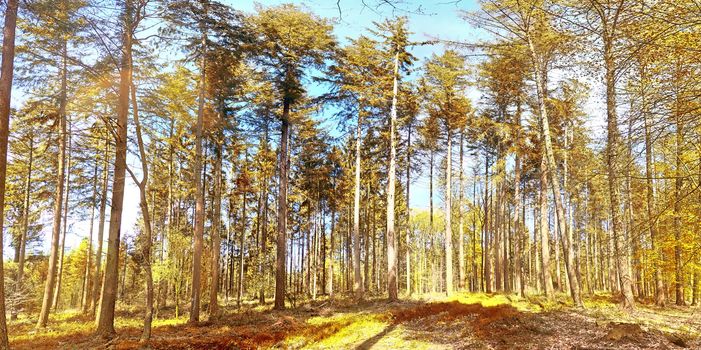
130,17
290,41
6,74
446,81
395,41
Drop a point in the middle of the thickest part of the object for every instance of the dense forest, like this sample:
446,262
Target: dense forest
554,159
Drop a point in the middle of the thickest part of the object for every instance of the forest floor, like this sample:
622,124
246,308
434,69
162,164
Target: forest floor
464,321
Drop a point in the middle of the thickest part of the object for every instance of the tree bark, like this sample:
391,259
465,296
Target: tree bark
6,74
391,238
216,227
448,215
105,321
57,291
554,178
358,285
25,223
545,231
282,209
96,284
58,201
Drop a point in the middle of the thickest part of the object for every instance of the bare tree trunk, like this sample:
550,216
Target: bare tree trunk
461,229
57,291
358,286
100,232
545,231
6,73
58,201
85,295
216,226
408,214
554,180
391,238
25,223
448,215
519,282
105,321
650,200
678,182
242,242
145,213
613,160
486,259
199,193
282,210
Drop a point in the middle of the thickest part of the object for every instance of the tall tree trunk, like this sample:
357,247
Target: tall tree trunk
105,321
282,209
486,259
391,238
6,73
650,201
678,182
566,234
85,295
242,243
613,160
216,226
545,231
199,193
58,200
357,278
461,227
448,215
329,277
519,282
57,291
408,212
145,213
96,284
25,224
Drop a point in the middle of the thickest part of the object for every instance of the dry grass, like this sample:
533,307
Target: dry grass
431,322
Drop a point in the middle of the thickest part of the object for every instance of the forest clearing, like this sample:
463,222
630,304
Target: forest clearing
375,174
465,321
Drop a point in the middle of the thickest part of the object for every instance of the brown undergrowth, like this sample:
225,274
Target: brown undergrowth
493,322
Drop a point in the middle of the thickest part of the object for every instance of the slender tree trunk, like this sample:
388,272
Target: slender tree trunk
678,182
519,282
461,227
282,210
145,213
486,259
85,295
545,231
25,224
96,284
613,160
58,201
242,242
105,321
554,181
408,213
216,227
448,215
6,73
650,201
57,291
357,278
199,193
391,238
